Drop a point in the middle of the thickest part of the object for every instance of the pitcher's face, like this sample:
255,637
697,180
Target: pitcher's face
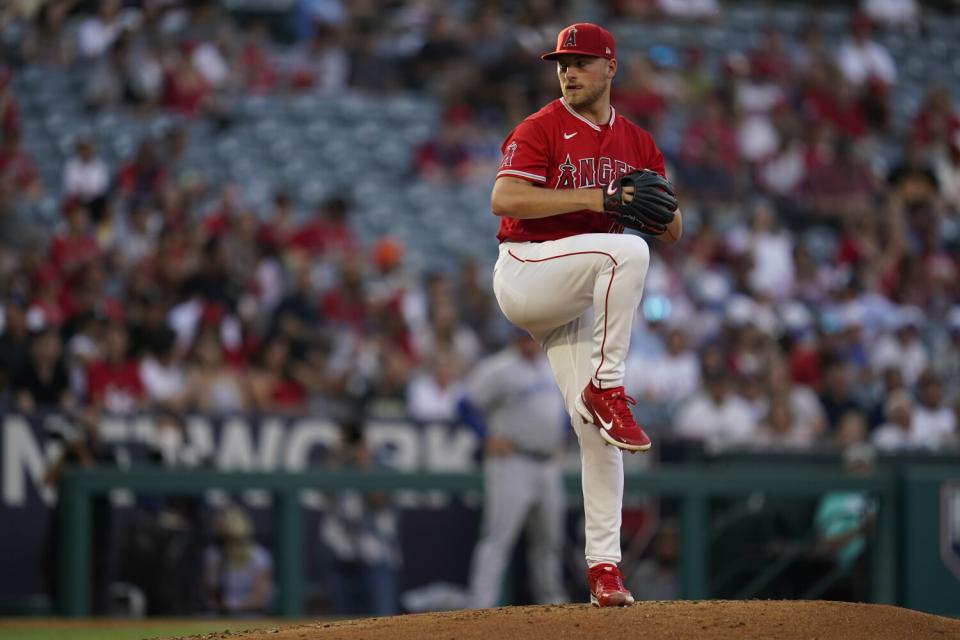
584,79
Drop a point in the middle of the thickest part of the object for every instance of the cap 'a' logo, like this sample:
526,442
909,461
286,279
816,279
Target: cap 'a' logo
571,39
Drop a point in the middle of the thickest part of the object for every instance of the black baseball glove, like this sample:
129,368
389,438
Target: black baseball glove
652,207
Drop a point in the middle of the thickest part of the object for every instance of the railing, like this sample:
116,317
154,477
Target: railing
692,485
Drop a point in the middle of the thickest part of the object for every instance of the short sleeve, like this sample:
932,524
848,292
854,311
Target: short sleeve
525,154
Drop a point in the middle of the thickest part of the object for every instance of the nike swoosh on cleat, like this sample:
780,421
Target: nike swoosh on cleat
606,425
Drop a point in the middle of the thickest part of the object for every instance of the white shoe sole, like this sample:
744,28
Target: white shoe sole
629,601
588,417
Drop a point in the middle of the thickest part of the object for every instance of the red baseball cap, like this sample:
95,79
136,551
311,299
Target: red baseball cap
585,39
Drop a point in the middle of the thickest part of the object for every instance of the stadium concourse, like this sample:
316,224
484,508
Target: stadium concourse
211,208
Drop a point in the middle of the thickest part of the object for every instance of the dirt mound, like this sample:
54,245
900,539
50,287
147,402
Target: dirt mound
687,620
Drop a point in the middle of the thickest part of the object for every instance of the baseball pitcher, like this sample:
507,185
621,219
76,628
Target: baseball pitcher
573,175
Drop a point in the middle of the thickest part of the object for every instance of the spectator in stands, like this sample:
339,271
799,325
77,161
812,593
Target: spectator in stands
946,356
212,385
678,373
946,166
690,9
936,122
113,383
295,317
274,389
14,345
142,176
41,383
446,332
361,529
86,177
903,15
903,348
163,375
433,394
863,60
97,33
385,393
255,60
637,96
780,429
19,179
836,391
237,570
344,305
934,424
896,432
323,64
329,232
135,235
839,185
715,416
75,247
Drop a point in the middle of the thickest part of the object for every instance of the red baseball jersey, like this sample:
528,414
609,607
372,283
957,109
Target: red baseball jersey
557,148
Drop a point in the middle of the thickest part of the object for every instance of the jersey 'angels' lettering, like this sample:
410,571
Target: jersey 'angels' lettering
590,173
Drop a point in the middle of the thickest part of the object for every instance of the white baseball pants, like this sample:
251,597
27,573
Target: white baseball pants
577,297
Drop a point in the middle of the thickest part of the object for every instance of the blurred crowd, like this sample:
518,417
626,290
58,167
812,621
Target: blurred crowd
813,300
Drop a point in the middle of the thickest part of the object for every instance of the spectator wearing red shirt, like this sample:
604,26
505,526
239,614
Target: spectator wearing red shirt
280,227
9,111
840,185
256,66
142,176
345,305
75,247
18,172
113,383
273,386
184,89
638,97
328,233
827,98
219,218
712,129
937,121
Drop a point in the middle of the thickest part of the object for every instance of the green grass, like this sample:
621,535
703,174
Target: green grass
125,631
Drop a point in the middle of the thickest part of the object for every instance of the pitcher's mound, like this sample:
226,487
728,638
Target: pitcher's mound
687,620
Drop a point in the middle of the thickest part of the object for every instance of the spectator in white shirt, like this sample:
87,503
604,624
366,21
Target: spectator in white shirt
677,372
781,430
862,60
717,417
934,423
85,176
97,33
896,433
904,14
163,375
434,394
904,349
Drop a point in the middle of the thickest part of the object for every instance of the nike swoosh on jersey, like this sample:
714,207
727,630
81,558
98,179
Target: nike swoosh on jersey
567,136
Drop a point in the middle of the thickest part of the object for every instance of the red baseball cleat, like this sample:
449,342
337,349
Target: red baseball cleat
606,586
609,410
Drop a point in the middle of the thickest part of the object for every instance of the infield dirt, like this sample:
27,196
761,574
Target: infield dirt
677,620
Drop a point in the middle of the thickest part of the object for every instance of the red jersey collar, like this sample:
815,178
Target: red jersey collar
613,115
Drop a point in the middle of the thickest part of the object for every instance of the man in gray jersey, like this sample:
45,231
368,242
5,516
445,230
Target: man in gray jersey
513,398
